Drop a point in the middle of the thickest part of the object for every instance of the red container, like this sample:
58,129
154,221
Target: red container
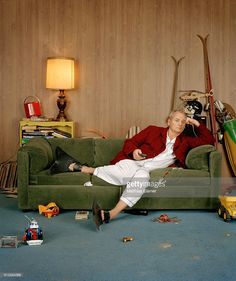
32,106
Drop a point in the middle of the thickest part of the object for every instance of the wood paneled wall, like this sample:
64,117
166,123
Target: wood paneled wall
123,49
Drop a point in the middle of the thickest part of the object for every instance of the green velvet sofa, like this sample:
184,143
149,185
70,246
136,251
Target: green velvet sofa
195,187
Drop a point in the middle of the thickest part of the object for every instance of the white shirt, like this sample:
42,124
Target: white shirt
163,160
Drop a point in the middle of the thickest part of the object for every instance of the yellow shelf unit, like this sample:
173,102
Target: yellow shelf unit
65,126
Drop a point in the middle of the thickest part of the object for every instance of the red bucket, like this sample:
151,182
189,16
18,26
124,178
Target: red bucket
32,106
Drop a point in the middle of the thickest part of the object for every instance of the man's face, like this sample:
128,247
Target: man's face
177,122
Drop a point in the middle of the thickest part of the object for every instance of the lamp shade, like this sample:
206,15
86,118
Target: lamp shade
60,73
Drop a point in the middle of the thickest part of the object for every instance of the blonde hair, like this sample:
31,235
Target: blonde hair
172,113
175,111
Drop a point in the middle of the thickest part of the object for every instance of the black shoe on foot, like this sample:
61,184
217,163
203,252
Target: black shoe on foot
97,215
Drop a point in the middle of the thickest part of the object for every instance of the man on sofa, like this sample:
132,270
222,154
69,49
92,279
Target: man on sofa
152,148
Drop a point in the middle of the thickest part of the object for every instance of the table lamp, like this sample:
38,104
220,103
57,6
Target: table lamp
60,76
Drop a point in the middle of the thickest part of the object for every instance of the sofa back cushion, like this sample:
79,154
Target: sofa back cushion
106,150
80,149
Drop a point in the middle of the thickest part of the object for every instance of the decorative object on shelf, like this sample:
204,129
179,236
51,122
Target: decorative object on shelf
60,76
32,106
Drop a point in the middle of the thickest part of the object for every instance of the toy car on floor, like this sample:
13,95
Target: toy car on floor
227,209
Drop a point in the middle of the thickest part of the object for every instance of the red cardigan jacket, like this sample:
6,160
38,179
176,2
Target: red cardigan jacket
152,141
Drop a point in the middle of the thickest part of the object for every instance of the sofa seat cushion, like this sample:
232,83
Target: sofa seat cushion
181,177
175,177
73,196
99,182
73,178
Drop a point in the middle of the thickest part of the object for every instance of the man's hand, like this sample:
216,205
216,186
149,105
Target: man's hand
136,154
192,121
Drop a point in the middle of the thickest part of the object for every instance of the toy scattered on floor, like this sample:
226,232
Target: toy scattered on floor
127,239
82,215
50,210
8,242
227,209
33,234
165,245
164,218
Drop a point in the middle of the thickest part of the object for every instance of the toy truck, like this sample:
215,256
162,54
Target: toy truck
227,209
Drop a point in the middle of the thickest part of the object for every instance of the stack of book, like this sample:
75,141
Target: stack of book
61,134
32,131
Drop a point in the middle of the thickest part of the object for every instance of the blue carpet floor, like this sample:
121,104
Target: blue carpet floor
201,247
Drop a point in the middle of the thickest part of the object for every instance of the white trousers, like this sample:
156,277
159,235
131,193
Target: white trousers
126,172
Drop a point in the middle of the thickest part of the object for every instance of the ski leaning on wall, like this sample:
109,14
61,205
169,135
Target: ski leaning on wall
175,84
209,89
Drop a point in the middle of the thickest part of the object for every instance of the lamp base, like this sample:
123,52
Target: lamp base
61,104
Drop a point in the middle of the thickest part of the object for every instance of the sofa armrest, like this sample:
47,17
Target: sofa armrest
215,162
22,178
40,154
33,157
198,157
